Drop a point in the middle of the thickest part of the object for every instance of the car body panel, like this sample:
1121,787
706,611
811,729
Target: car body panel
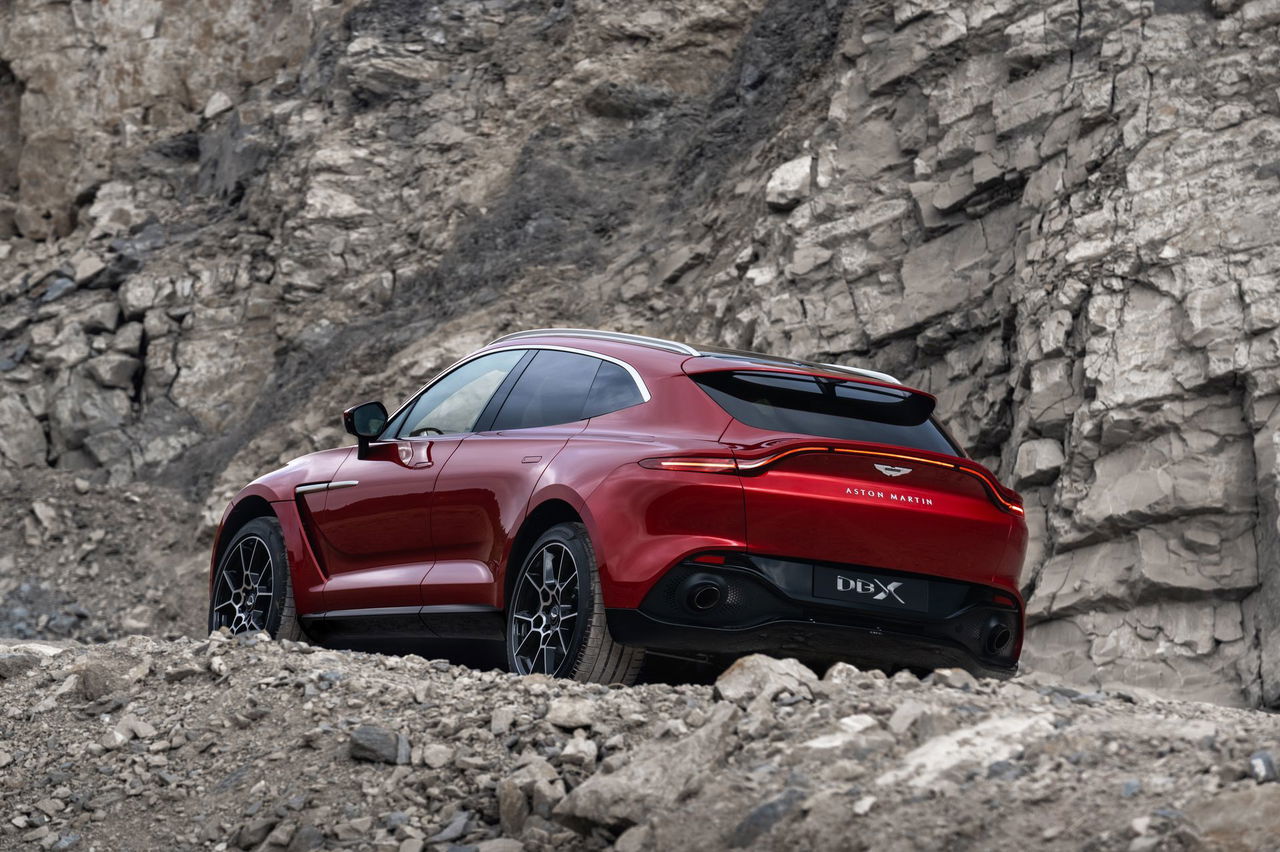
480,501
375,536
869,504
278,490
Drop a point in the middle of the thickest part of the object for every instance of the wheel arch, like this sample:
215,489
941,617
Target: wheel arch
541,518
241,513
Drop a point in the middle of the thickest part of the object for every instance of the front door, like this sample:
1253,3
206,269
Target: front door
374,525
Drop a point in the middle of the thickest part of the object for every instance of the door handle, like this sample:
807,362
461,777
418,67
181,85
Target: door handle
530,459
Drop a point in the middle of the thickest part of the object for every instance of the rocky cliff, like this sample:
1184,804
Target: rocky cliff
224,222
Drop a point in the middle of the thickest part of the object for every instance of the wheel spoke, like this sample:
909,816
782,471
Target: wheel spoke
524,641
264,580
548,660
565,560
256,578
528,580
548,569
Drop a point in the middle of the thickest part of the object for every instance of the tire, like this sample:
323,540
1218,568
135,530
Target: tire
559,582
262,600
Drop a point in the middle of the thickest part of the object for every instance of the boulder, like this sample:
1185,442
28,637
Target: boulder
654,779
379,745
789,184
756,679
114,370
1038,463
22,440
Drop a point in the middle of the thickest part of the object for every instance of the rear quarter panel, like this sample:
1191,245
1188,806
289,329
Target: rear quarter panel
642,521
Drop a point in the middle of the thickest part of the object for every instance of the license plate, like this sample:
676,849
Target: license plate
864,588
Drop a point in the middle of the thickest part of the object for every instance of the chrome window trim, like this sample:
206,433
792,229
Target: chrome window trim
631,371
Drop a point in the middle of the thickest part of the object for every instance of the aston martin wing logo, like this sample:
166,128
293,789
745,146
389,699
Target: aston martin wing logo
890,470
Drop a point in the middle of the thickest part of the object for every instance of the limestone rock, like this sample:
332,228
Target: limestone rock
114,370
1038,463
22,439
757,679
218,103
789,183
571,713
652,780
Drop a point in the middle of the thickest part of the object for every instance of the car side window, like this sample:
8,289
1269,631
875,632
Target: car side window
453,404
613,389
552,389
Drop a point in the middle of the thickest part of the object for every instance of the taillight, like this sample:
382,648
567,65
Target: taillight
695,464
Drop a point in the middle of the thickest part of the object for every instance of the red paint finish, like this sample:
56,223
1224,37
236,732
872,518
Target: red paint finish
375,536
483,495
434,520
460,581
853,513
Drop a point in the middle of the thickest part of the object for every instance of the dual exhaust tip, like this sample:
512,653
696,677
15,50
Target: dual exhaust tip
703,592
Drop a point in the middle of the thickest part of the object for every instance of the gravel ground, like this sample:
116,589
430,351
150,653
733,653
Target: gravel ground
245,743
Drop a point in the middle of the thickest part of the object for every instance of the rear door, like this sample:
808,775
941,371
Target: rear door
857,474
484,490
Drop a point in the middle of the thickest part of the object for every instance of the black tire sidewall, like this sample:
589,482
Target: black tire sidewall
573,537
267,530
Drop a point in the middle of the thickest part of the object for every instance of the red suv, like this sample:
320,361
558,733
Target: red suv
587,495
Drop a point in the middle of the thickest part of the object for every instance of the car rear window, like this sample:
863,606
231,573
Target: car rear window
826,408
613,389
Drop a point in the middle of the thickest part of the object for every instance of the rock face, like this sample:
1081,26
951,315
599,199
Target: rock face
1059,218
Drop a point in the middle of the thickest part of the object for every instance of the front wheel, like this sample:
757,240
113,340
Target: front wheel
555,618
252,590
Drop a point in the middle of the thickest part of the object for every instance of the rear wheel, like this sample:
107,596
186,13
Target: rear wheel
555,618
251,588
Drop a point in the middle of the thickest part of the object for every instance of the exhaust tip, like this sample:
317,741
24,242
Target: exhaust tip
704,596
999,637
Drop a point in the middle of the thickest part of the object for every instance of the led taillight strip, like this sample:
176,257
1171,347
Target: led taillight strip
707,465
721,465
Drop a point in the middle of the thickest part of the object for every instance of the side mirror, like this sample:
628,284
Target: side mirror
366,421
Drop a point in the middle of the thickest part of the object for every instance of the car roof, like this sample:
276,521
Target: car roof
685,351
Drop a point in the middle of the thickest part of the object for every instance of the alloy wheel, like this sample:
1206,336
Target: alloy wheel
244,590
545,611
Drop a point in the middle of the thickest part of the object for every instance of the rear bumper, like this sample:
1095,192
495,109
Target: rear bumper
780,606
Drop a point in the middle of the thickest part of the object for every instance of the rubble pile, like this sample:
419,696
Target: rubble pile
244,743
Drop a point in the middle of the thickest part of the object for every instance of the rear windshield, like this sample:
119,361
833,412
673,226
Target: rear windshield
827,408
